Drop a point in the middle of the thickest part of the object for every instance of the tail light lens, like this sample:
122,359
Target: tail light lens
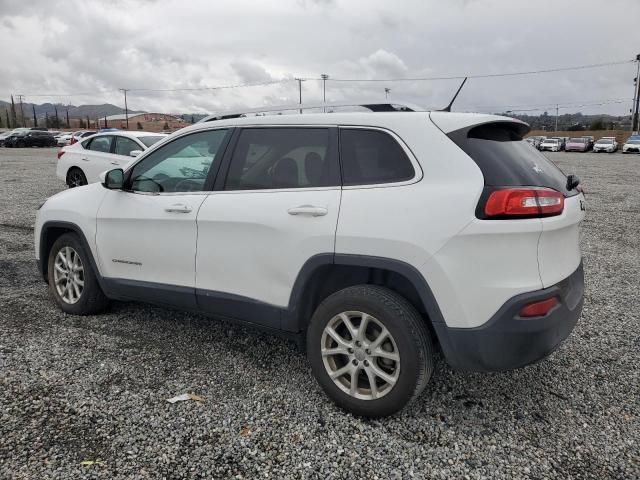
539,308
523,202
72,141
60,153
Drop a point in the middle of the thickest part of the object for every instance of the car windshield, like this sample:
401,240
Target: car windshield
551,140
634,140
605,141
577,140
150,140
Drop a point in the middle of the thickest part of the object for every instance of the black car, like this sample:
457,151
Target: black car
32,138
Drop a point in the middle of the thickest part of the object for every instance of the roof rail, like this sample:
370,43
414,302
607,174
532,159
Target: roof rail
375,106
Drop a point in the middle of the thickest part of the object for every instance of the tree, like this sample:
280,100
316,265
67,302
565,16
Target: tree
165,126
1,122
57,121
6,112
139,126
35,119
597,125
14,118
47,120
68,123
576,128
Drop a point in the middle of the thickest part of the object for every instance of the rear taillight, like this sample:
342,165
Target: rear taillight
507,203
60,153
539,308
72,141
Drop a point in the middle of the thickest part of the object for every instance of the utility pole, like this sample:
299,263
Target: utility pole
324,78
300,80
24,124
386,92
557,108
636,98
126,109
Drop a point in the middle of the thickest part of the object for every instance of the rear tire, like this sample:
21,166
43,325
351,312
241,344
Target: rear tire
72,282
76,178
383,368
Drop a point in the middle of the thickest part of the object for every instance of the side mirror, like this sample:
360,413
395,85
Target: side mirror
114,179
135,153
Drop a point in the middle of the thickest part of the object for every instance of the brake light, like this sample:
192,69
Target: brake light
524,202
60,153
539,308
72,141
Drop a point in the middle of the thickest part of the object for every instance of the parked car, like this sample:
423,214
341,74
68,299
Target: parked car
578,144
64,139
536,141
590,140
376,237
562,140
632,145
77,136
30,138
82,162
606,144
9,133
551,144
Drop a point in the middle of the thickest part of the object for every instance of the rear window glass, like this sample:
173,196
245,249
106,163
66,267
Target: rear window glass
371,157
506,160
150,140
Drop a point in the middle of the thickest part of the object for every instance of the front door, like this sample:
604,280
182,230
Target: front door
277,209
146,234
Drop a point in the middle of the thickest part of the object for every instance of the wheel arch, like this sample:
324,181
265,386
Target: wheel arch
53,230
325,274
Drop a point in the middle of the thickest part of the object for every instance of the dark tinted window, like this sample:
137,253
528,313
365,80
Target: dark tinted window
266,158
372,156
506,160
100,144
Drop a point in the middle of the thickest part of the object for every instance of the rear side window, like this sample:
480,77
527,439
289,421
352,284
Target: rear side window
369,157
506,160
99,144
271,158
124,146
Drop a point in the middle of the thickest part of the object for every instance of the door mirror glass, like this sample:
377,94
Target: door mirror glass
114,179
135,153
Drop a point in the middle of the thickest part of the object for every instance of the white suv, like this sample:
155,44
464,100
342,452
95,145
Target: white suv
377,236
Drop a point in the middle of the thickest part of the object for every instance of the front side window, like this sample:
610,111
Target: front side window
271,158
124,146
372,157
179,166
100,144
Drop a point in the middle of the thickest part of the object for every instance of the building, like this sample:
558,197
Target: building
150,122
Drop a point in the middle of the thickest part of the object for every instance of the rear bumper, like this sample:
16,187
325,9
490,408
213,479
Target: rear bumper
508,341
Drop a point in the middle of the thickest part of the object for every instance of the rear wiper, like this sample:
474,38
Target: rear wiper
572,182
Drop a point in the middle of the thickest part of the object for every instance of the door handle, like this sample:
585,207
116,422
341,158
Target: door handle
115,163
85,159
178,208
308,210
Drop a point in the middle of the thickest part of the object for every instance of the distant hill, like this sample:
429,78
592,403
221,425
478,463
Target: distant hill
81,111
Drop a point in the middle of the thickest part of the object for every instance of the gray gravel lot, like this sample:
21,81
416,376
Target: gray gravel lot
95,388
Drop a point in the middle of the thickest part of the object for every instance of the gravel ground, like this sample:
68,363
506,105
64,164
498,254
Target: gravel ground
95,388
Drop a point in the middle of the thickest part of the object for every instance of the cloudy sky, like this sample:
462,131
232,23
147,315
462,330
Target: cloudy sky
85,50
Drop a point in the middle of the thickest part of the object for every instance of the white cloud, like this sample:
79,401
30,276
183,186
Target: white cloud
80,46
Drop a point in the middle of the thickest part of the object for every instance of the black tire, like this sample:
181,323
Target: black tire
76,177
92,300
409,332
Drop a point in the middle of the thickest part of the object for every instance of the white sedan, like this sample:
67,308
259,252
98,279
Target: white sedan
84,161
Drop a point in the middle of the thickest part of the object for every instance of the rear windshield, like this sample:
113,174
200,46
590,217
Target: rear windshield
506,160
577,140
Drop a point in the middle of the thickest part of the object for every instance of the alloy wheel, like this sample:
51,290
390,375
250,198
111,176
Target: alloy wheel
68,275
360,355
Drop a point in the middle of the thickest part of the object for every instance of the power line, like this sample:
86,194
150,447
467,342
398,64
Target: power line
481,75
553,104
569,105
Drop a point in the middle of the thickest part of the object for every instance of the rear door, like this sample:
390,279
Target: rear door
275,207
97,157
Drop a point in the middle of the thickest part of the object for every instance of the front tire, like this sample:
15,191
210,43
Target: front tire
72,282
370,350
76,178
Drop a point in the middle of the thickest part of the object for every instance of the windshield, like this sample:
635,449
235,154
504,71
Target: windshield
550,140
150,140
605,141
577,140
634,140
